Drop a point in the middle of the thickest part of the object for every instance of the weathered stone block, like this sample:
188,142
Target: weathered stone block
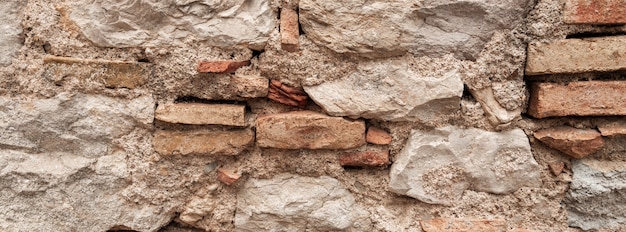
309,130
202,142
227,87
588,98
10,38
222,66
577,143
458,159
463,225
616,128
113,74
289,29
594,12
577,56
365,159
202,114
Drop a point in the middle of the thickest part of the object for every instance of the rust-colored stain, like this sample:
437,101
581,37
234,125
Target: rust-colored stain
596,12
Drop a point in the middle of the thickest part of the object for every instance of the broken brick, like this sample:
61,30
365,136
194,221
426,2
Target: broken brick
227,66
287,95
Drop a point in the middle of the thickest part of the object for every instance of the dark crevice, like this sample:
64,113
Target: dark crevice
191,99
143,60
594,35
256,54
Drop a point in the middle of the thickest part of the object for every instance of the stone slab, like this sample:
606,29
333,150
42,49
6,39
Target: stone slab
11,37
202,142
112,74
227,87
202,114
595,12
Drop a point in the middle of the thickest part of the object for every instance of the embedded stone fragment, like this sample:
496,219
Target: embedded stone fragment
390,91
289,202
202,142
309,130
112,74
584,98
289,29
227,87
495,112
463,225
202,114
599,54
594,12
577,143
129,23
365,159
437,166
557,167
287,95
617,128
596,199
227,176
430,28
378,136
224,66
10,38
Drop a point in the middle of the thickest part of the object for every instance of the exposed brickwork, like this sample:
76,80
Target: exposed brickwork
289,29
595,12
463,225
589,98
309,130
577,143
226,66
113,74
202,142
201,114
610,129
227,176
378,136
287,95
577,56
365,159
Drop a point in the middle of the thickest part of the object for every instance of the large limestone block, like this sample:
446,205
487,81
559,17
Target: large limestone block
128,23
597,196
296,203
390,91
11,30
437,166
386,28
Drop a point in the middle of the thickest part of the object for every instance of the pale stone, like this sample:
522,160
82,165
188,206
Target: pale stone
130,23
390,91
112,74
202,114
387,28
437,166
309,130
495,112
463,225
574,142
10,38
296,203
202,142
597,196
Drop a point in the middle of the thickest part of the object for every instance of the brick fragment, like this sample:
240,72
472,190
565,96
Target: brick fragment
202,114
588,98
378,136
224,66
365,159
594,12
610,129
227,176
202,142
289,30
113,74
557,167
463,225
574,142
577,56
287,95
309,130
227,87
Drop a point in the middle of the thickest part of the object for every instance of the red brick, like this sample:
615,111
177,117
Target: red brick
588,98
595,12
289,30
287,95
378,136
577,143
463,225
226,66
202,142
227,176
365,159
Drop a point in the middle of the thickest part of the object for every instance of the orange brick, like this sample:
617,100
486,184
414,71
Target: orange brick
289,30
227,66
378,136
365,159
595,12
227,176
577,143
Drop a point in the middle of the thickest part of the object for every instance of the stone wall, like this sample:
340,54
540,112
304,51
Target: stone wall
269,115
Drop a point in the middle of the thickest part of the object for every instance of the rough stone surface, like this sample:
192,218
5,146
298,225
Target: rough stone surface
202,114
588,98
227,176
598,54
296,203
365,159
378,136
594,12
309,130
597,196
616,128
289,29
130,23
223,66
287,95
495,112
202,142
111,74
227,87
577,143
10,38
60,160
390,91
463,225
437,166
556,167
387,28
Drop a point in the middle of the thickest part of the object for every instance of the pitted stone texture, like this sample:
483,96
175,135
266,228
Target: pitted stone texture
463,225
388,28
202,142
296,203
577,143
10,38
597,196
130,23
62,169
202,114
227,87
594,12
437,166
309,130
390,91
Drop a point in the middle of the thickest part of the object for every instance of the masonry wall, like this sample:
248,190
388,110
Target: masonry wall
267,115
